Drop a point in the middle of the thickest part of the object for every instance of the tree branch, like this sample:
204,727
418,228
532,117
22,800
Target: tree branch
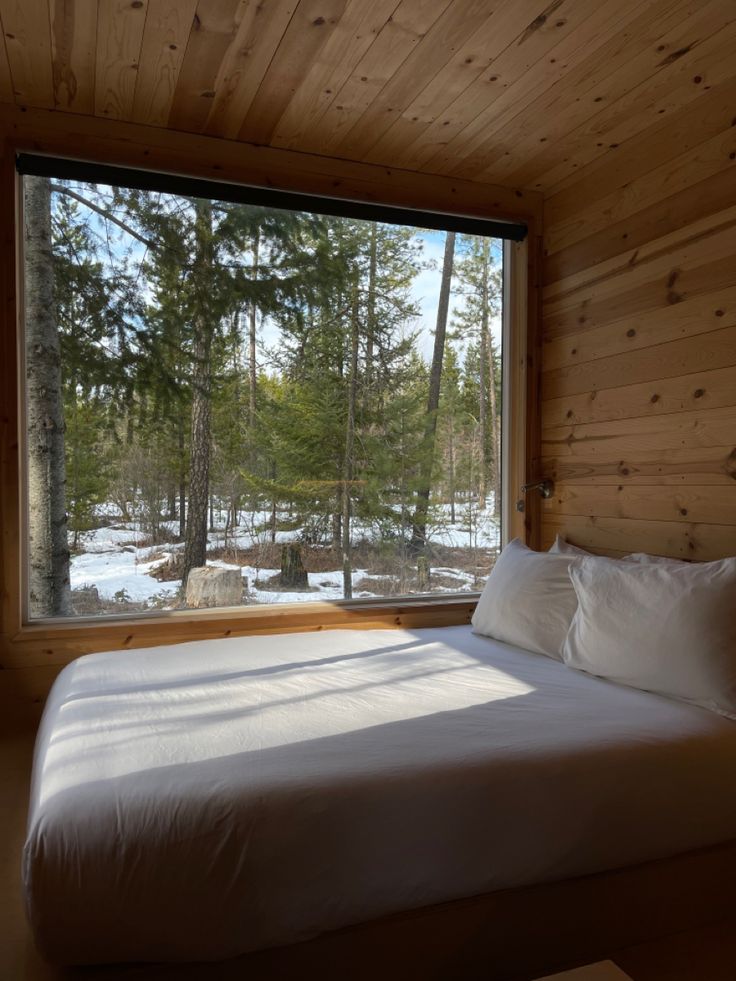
60,189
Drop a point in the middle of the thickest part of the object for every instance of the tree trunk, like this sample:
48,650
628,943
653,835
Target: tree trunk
195,546
50,593
495,432
371,318
273,508
252,369
347,474
451,448
482,379
182,483
419,529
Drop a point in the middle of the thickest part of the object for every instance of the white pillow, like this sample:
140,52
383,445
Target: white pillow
666,627
561,547
528,600
646,559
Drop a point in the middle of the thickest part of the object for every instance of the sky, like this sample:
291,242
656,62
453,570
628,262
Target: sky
426,286
426,293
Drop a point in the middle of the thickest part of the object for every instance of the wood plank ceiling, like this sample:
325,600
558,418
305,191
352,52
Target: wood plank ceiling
523,93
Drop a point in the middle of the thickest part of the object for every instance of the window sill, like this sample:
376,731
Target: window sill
56,642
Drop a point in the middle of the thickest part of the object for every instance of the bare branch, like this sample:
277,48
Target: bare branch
60,189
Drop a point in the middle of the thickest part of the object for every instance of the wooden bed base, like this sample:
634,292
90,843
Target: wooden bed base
508,935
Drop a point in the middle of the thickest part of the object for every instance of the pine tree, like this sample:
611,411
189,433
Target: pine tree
480,287
419,530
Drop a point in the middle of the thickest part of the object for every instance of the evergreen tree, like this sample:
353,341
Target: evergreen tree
419,530
480,286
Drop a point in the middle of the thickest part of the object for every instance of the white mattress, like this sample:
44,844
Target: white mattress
199,801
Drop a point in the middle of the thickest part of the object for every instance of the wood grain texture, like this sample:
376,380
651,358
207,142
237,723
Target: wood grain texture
559,95
27,37
639,313
9,379
260,31
6,82
393,45
214,32
592,65
705,67
629,66
50,644
698,391
157,148
678,539
308,31
73,49
448,33
165,35
349,42
120,26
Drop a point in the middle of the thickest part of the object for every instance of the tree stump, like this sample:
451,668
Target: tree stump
293,574
208,586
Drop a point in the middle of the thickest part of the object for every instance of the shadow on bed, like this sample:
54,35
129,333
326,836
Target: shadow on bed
215,857
204,814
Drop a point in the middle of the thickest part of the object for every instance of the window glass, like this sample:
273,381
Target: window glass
234,405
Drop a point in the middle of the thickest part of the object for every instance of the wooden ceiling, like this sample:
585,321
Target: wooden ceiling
521,93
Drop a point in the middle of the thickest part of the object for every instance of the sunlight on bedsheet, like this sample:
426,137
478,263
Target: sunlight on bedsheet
116,731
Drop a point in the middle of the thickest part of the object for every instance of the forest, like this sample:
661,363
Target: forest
312,403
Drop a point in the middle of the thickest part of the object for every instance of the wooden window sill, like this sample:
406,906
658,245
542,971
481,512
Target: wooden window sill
56,642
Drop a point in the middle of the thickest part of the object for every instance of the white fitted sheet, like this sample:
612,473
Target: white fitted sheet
200,801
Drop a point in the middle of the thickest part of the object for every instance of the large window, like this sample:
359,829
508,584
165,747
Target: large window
233,403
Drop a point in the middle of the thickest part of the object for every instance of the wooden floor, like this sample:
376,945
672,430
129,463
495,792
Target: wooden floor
707,954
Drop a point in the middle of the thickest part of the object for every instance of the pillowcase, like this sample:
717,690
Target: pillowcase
528,600
666,627
561,547
646,559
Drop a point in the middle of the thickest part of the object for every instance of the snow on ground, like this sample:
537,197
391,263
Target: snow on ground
472,527
110,539
323,585
118,561
116,570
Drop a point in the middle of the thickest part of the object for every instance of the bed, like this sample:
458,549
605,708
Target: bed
196,802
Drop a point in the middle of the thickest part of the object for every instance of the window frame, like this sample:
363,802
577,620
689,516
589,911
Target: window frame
56,641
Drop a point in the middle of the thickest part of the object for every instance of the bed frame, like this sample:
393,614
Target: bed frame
509,935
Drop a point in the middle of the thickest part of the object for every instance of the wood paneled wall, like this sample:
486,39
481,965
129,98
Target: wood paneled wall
639,342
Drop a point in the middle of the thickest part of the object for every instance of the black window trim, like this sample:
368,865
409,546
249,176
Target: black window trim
61,168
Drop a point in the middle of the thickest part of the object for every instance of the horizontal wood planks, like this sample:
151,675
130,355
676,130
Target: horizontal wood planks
536,94
639,329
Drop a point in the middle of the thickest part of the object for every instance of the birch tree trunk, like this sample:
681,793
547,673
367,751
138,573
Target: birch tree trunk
50,593
495,432
419,529
195,545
